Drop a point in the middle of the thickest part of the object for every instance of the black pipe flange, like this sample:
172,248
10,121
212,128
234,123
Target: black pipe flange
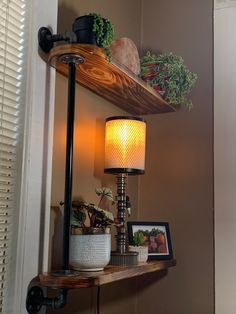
34,300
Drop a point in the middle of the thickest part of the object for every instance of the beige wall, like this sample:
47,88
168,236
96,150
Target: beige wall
177,186
125,15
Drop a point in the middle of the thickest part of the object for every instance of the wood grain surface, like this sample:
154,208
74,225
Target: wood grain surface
111,81
109,275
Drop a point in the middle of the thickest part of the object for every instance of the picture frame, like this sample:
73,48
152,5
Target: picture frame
157,238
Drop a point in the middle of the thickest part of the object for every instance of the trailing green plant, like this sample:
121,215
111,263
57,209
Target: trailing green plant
138,238
167,74
104,30
97,216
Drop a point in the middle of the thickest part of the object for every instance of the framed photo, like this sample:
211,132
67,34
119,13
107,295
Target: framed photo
156,237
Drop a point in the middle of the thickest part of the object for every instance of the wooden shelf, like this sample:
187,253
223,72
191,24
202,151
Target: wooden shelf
109,275
111,81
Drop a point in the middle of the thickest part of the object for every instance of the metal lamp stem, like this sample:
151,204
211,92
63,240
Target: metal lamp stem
121,208
121,256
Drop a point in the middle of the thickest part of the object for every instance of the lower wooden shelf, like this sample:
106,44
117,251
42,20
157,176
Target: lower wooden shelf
109,275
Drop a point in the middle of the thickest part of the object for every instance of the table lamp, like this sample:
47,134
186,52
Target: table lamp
125,138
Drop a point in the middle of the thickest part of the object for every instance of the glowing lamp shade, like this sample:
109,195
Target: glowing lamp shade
125,145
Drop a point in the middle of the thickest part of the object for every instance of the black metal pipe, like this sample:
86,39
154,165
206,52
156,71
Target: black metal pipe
61,300
57,302
69,164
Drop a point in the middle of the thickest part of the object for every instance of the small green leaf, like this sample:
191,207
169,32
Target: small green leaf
105,192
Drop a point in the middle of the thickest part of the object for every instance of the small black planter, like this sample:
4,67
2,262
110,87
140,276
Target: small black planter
83,28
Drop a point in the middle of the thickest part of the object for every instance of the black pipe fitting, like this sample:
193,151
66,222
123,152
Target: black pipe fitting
35,300
46,39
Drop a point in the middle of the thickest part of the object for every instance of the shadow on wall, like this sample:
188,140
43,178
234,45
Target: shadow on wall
150,279
99,149
99,156
57,237
79,301
66,16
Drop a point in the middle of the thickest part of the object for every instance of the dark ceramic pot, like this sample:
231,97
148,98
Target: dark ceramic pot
83,28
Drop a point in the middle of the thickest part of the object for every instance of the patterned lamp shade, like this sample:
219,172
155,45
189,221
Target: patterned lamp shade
125,145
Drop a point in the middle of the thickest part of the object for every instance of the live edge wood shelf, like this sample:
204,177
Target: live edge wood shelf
109,275
110,80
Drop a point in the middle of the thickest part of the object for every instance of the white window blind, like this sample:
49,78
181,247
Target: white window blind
12,33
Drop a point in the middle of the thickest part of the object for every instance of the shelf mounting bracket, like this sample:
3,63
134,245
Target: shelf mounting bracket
35,300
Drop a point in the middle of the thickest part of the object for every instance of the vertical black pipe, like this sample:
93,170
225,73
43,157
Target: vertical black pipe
69,164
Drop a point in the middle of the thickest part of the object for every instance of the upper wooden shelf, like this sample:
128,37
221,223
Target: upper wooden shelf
112,81
109,275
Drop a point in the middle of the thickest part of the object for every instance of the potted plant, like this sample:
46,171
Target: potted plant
94,29
90,239
168,75
139,246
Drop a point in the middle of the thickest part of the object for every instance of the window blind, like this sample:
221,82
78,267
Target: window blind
12,33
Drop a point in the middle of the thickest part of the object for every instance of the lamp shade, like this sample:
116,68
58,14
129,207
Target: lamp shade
125,141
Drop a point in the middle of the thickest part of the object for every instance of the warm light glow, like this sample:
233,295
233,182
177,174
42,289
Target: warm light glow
125,145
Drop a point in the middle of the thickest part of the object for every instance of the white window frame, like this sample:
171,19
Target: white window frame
35,198
224,158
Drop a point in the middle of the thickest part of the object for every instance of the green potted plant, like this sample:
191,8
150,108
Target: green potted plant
168,75
139,246
90,239
94,29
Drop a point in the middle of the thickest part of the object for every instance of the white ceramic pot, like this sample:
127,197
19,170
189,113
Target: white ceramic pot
90,252
142,252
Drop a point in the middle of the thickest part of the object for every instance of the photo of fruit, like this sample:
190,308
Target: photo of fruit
155,239
156,236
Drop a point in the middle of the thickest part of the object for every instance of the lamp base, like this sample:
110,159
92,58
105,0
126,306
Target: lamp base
127,258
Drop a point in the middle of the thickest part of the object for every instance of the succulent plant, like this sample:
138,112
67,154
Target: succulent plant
138,238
